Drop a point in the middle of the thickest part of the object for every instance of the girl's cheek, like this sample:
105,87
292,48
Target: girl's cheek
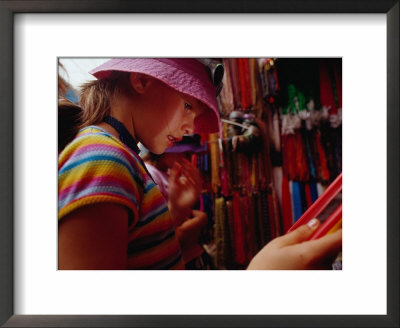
175,119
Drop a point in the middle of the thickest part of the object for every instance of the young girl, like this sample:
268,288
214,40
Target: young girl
111,214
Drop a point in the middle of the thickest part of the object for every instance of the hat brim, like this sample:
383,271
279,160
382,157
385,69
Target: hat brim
185,75
182,148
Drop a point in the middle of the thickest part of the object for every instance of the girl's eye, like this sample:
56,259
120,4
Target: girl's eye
188,106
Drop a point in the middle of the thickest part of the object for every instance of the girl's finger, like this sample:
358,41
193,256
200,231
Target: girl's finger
190,167
192,175
175,172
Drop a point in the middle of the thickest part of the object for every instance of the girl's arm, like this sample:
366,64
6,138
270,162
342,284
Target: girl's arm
94,237
188,232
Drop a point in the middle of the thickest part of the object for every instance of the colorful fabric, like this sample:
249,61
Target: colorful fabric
297,200
230,226
330,77
214,154
324,171
207,205
308,197
220,232
287,212
244,78
314,191
265,213
252,231
240,232
95,168
276,213
247,227
234,70
259,220
226,96
337,71
274,225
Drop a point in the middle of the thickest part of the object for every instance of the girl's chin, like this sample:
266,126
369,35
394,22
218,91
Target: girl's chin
159,150
158,147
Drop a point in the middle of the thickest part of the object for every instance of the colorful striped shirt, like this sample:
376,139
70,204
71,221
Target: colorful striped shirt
97,167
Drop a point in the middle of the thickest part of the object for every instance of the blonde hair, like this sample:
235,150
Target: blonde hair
96,96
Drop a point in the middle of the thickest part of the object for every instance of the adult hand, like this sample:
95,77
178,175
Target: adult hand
184,190
295,252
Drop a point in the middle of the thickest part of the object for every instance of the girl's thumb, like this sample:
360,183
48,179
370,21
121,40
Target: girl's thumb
302,233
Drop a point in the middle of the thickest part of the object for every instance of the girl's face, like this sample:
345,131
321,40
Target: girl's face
164,116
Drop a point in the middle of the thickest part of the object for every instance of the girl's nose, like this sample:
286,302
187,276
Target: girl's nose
188,130
188,126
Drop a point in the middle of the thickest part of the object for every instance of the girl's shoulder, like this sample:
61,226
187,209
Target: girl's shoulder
98,149
94,133
93,140
96,168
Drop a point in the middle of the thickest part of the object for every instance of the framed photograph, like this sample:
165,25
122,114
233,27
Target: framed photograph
34,34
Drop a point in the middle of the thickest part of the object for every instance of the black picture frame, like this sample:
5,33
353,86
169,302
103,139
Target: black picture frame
7,11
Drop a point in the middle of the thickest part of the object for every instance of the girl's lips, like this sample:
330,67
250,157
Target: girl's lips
171,140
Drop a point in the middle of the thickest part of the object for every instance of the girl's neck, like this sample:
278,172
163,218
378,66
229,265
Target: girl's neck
121,111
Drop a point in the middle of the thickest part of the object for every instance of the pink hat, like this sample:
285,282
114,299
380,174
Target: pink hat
185,75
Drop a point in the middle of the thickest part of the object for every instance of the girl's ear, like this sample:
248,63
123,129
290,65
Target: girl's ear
139,82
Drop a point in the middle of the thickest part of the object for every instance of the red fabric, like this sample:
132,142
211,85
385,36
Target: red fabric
265,161
287,216
253,231
338,80
194,160
294,157
247,91
244,78
276,217
276,80
271,213
308,194
326,91
225,172
241,83
302,172
285,168
244,206
324,171
245,171
234,70
239,242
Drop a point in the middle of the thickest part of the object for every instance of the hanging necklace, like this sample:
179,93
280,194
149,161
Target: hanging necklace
124,134
126,137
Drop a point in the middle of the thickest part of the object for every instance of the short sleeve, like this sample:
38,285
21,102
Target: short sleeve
95,168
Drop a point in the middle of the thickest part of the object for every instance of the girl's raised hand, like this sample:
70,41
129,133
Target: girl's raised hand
184,189
295,252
